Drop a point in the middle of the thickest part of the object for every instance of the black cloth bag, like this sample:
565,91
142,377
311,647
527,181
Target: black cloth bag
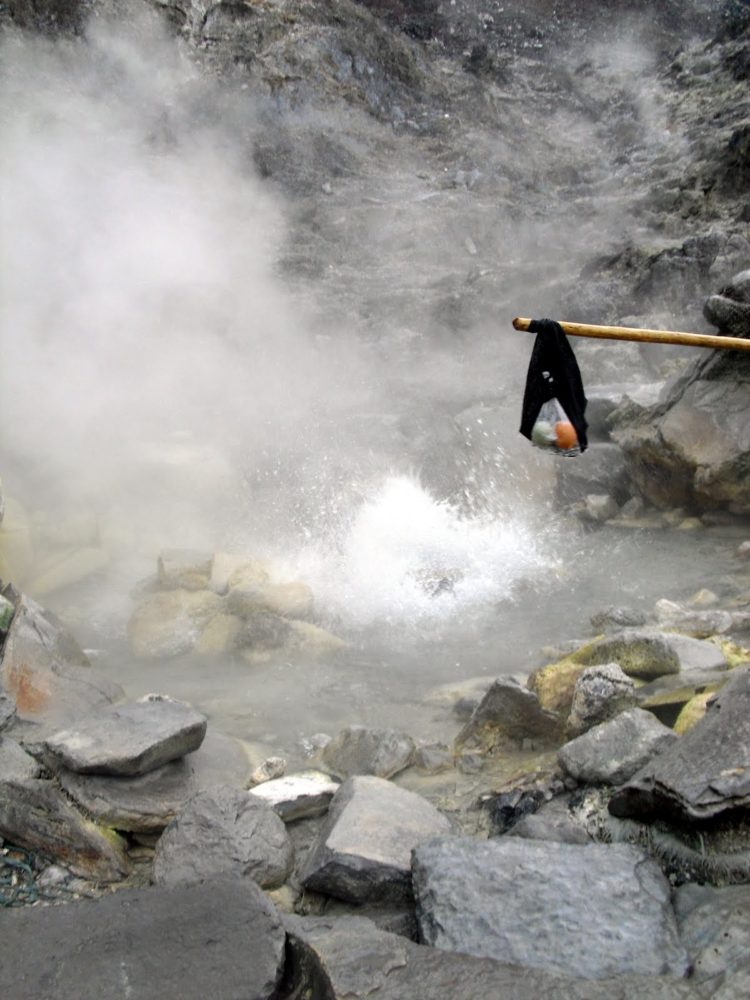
553,373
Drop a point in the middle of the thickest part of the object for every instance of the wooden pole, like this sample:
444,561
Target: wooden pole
648,336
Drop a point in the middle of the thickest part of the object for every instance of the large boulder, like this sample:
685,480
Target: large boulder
218,939
47,672
692,449
146,803
613,751
224,830
704,774
128,739
340,959
593,911
364,850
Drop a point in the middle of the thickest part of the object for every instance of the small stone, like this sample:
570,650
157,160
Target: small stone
272,767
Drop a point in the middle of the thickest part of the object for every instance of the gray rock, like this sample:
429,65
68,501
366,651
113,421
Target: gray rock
46,671
359,750
716,930
433,758
704,774
616,618
184,569
552,821
344,958
364,850
218,939
613,751
599,694
7,711
298,796
507,713
647,653
146,803
35,814
594,911
128,739
224,830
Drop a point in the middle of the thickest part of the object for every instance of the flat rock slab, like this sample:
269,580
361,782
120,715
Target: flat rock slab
35,814
224,830
46,671
129,739
507,713
148,802
364,850
613,751
352,958
590,911
219,939
704,774
298,796
359,750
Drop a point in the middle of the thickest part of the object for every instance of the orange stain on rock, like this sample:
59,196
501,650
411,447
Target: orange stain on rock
28,688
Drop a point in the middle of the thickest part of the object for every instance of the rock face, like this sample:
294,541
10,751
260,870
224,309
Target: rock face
612,752
593,911
507,713
692,450
599,694
339,959
364,851
146,803
358,750
223,830
706,773
47,672
221,938
129,739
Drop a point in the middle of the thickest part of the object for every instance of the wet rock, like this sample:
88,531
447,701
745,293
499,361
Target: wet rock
507,713
613,751
46,671
146,803
359,750
264,633
334,959
128,739
552,821
221,938
364,850
648,653
715,929
704,774
224,830
221,635
184,569
554,684
230,570
593,911
599,694
35,814
298,796
169,623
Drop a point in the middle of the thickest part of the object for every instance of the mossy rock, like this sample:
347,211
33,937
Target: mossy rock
692,711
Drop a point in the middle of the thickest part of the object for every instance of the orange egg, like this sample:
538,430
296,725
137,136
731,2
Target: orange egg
565,435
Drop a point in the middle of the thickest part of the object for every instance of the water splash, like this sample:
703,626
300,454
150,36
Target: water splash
406,557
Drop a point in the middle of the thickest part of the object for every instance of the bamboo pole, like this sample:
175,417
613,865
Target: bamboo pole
648,336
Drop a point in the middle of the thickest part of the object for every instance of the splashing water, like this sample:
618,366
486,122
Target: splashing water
406,557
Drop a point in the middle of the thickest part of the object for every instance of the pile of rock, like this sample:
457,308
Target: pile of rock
214,603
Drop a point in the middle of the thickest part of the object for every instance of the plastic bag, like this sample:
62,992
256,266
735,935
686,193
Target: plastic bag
553,430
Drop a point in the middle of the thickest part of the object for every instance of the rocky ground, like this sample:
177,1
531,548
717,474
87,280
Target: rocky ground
581,831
